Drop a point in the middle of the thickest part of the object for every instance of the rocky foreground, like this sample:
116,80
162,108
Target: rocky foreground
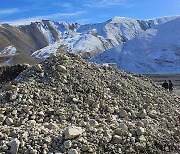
67,105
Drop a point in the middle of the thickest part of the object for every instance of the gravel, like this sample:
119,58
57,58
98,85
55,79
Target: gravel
68,105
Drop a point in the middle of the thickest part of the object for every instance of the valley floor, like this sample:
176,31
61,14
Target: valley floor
159,79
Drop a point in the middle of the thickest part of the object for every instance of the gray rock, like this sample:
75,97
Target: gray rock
93,123
67,144
85,148
9,121
72,151
177,133
8,87
14,144
143,113
122,113
117,139
140,131
38,68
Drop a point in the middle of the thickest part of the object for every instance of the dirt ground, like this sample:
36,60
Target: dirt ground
159,79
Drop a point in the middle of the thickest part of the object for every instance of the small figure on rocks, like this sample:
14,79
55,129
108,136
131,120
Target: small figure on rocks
170,85
165,85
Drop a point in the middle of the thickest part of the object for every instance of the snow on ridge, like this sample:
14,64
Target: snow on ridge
46,32
164,18
47,51
10,50
161,20
78,38
149,52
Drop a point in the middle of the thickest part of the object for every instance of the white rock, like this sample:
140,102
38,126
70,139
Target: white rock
47,139
14,112
75,100
41,113
72,132
65,57
14,146
142,138
2,110
61,68
13,97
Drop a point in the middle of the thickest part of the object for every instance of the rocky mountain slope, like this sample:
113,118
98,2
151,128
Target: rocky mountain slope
68,105
40,39
157,50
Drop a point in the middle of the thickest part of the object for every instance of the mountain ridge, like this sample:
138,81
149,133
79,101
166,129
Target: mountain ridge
153,51
39,40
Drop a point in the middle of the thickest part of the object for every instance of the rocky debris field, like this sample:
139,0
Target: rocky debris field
68,105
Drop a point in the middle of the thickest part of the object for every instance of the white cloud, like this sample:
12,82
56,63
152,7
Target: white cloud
47,17
8,11
107,3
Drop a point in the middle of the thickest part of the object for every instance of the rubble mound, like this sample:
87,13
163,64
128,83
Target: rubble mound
68,105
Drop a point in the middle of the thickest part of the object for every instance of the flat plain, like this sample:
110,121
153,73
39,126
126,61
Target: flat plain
159,79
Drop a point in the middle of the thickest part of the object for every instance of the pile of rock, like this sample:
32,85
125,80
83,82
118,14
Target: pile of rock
67,105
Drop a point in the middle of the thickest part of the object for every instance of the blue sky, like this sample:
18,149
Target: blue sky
85,11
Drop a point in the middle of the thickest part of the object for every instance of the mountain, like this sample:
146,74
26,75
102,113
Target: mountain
156,50
37,40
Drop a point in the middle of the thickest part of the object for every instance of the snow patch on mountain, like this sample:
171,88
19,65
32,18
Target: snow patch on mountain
10,50
90,39
46,32
156,50
158,21
7,54
93,39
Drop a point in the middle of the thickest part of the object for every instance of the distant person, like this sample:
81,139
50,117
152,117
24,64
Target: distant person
170,85
165,85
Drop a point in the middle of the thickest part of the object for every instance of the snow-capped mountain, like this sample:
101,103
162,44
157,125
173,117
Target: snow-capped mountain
91,39
37,40
156,50
45,37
